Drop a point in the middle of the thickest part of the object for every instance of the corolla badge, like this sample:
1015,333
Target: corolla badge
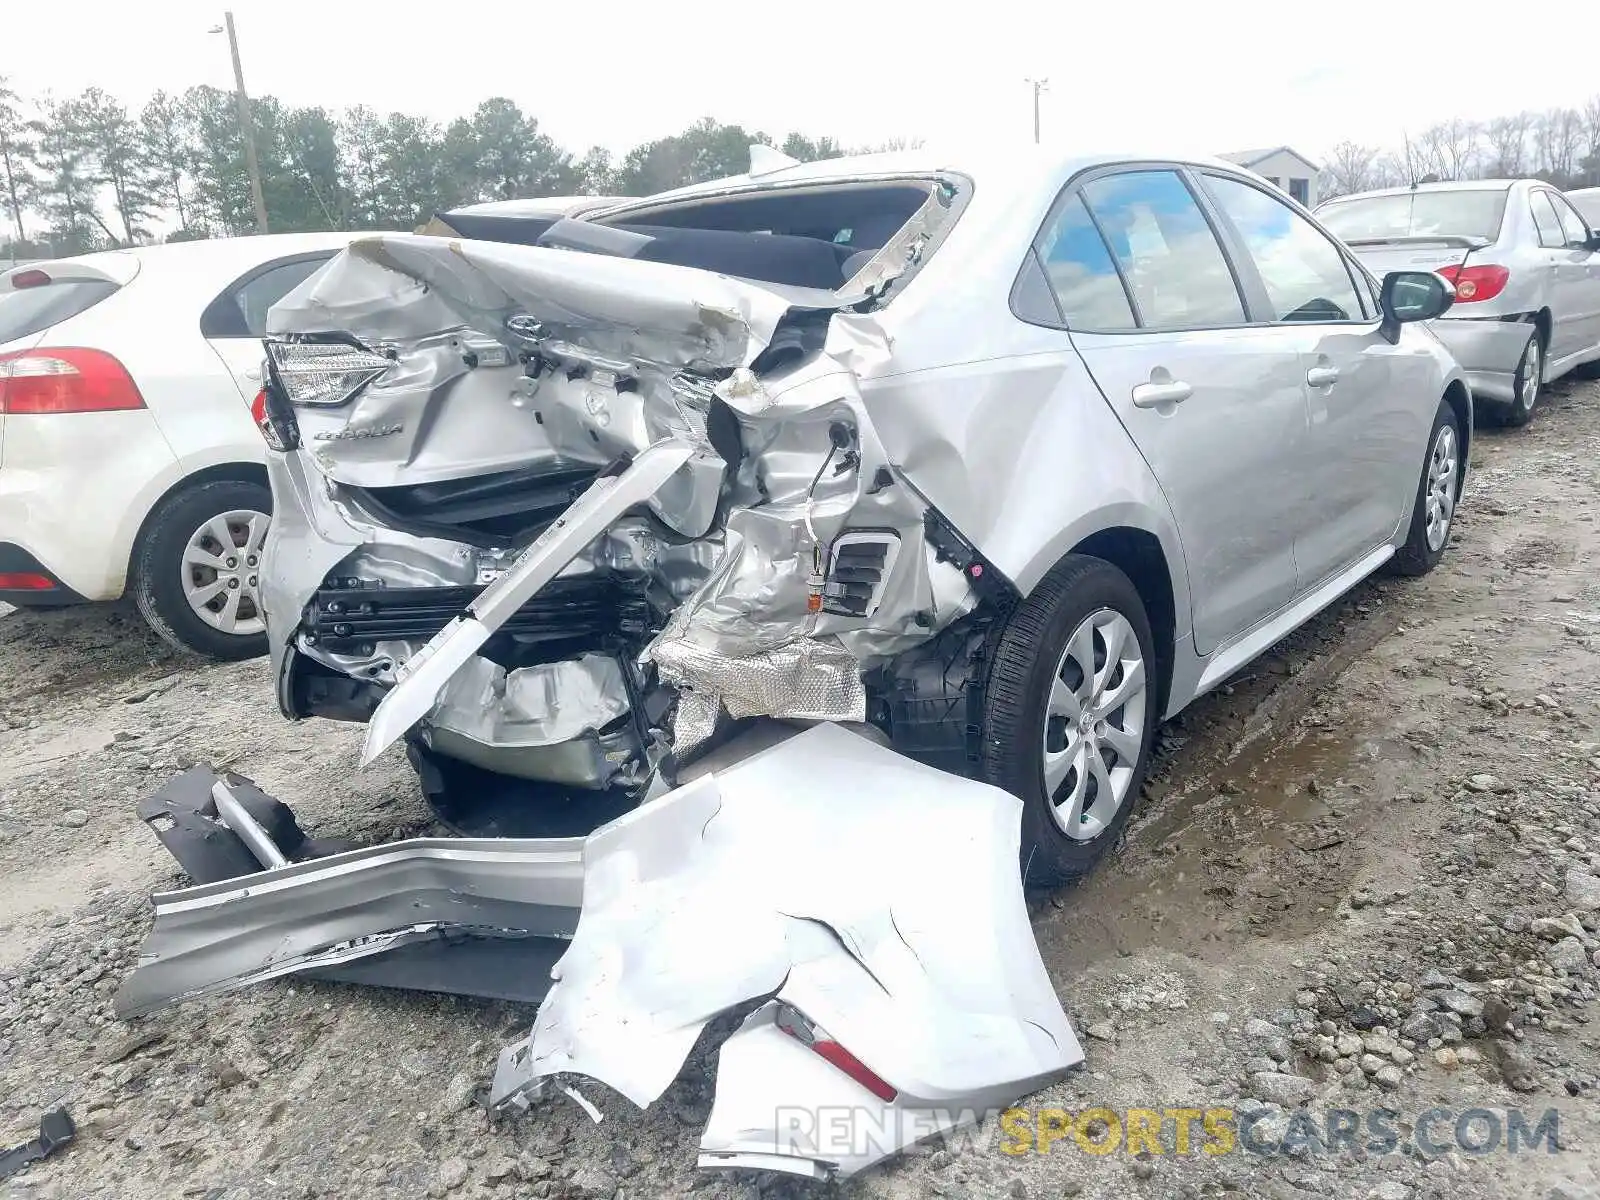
351,433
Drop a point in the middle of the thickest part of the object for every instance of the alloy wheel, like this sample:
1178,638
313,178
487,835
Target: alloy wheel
1094,724
221,571
1443,464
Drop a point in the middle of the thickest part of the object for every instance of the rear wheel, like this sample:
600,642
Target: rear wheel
196,570
1070,715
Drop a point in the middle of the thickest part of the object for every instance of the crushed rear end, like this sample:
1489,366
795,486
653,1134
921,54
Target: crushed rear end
474,439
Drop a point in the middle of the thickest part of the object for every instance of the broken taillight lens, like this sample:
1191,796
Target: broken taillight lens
807,1032
280,433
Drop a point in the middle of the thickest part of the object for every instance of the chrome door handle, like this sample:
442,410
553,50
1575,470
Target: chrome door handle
1322,376
1153,395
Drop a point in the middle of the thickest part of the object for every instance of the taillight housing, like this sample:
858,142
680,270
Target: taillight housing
278,435
806,1031
1476,283
65,379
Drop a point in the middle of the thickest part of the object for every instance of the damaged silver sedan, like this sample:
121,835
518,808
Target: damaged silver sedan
681,541
1010,459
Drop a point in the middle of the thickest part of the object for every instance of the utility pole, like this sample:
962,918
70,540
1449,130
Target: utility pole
246,127
1039,85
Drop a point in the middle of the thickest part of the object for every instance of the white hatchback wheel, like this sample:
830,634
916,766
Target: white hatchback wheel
221,571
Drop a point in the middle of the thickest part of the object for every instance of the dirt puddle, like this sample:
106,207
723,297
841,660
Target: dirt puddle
1251,820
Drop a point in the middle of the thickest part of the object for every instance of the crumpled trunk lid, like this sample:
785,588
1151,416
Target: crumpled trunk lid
515,357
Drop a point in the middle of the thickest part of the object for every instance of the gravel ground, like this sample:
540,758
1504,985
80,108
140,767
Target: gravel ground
1366,875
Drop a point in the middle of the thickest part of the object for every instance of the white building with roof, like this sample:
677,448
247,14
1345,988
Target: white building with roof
1284,168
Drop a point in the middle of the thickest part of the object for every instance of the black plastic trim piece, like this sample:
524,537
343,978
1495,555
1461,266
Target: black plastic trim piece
982,575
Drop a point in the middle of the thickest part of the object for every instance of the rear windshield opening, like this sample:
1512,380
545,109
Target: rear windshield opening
810,237
35,309
1470,212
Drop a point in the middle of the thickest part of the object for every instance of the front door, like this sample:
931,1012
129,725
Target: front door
1216,406
1364,421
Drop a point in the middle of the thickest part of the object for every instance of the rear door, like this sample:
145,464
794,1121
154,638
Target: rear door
1368,400
1215,405
1578,279
236,319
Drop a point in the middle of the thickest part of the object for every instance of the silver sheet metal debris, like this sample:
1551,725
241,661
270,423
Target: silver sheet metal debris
870,908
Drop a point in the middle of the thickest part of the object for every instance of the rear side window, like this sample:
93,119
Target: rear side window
1546,222
1577,234
1174,266
240,310
33,310
1085,280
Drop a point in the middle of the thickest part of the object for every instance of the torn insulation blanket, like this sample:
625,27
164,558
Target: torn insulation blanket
879,898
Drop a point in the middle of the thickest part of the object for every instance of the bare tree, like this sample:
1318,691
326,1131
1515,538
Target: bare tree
1590,118
1557,139
1508,145
1450,149
1351,167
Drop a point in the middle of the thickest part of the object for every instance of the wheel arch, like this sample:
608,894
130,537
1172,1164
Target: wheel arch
1138,554
1545,324
1459,398
230,472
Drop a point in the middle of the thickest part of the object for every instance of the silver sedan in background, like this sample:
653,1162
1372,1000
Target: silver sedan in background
1525,266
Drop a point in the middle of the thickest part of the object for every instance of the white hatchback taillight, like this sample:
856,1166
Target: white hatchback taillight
65,379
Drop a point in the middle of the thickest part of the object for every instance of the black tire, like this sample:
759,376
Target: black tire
1416,557
1520,411
1027,655
156,577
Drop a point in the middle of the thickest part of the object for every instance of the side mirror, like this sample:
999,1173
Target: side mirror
1409,296
1593,243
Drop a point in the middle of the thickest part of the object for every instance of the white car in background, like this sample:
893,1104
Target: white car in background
129,460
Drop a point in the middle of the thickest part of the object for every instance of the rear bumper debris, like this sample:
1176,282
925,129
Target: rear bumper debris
56,1130
870,909
877,898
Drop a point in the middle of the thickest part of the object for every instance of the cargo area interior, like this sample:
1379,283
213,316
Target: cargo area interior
797,237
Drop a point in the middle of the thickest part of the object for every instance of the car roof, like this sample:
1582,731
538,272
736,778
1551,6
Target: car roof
1002,165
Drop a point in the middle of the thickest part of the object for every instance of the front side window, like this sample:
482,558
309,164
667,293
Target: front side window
1546,221
1081,273
1304,274
1171,259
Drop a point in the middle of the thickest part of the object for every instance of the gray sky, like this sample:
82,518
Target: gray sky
1191,76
